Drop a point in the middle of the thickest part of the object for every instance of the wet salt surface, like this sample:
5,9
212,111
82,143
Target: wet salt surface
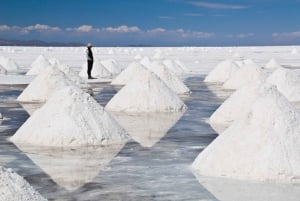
159,170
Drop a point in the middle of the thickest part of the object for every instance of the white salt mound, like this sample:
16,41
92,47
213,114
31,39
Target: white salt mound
272,64
181,65
173,66
138,57
1,117
222,71
146,94
72,75
263,145
39,65
235,106
112,66
146,61
134,69
9,64
244,75
170,78
44,85
3,70
14,188
98,71
287,82
70,117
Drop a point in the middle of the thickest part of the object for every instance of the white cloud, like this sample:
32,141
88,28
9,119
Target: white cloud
295,34
4,28
217,5
122,29
38,27
157,30
166,17
241,35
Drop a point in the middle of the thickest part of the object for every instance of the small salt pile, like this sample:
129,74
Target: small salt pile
181,65
72,75
173,66
70,117
9,64
112,66
134,69
264,144
222,71
146,94
44,85
235,106
3,70
169,77
247,73
39,65
13,187
287,82
146,61
272,64
98,71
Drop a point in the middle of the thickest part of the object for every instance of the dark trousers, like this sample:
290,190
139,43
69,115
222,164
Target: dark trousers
89,68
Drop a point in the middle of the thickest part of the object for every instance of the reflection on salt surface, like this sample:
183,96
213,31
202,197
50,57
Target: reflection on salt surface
71,168
225,189
147,128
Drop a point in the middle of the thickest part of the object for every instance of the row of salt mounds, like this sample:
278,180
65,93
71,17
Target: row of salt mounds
235,106
98,71
70,117
247,73
112,66
287,82
8,64
14,187
147,93
44,85
272,64
3,70
39,65
222,72
263,145
176,66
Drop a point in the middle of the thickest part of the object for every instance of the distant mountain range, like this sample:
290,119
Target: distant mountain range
4,42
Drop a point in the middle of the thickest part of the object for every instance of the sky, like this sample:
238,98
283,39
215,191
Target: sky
153,22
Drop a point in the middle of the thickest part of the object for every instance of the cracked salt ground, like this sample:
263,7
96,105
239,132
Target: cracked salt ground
158,171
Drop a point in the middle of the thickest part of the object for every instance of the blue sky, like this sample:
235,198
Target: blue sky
153,22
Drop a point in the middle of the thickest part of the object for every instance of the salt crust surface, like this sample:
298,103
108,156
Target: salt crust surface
44,85
287,82
98,70
147,93
236,105
14,188
39,65
272,64
3,70
263,145
8,64
70,117
222,71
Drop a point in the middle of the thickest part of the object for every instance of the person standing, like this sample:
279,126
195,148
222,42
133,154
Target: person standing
90,60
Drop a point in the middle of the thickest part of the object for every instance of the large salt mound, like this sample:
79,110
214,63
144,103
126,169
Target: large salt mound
263,145
222,71
44,85
235,106
72,75
134,69
287,82
3,70
247,73
70,117
146,94
112,66
98,71
14,188
272,64
173,66
8,64
170,78
39,65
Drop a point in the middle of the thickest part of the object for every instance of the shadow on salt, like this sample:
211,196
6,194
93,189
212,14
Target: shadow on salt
147,128
71,168
225,189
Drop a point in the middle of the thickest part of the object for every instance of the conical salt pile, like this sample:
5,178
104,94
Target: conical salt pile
9,64
222,71
247,73
134,69
98,71
14,187
39,65
170,78
44,85
181,65
272,64
3,70
138,57
263,145
146,61
235,106
173,66
70,117
287,82
72,75
146,94
112,66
